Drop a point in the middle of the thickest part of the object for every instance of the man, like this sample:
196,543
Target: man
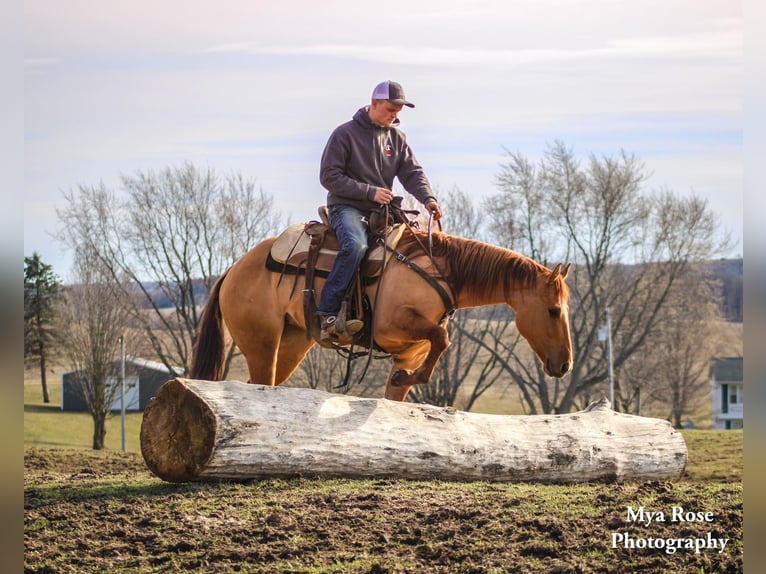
358,167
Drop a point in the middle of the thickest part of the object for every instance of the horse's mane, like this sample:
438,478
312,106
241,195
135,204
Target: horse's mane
475,267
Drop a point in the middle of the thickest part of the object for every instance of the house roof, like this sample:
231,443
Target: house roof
144,363
728,369
154,365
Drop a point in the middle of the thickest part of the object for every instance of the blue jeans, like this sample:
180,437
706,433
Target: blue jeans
350,227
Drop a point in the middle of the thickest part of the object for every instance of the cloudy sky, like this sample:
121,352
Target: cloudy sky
256,87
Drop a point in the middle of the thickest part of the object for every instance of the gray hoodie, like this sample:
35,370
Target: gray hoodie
360,156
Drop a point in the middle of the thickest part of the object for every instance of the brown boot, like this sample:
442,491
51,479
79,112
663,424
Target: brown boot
330,333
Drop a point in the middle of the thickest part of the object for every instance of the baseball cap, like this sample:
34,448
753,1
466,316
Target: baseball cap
391,91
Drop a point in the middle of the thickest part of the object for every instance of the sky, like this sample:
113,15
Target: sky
255,87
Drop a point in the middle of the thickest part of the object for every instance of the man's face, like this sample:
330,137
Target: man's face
383,113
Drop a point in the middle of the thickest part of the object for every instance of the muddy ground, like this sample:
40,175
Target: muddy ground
105,512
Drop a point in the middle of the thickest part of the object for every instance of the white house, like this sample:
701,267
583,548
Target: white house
728,385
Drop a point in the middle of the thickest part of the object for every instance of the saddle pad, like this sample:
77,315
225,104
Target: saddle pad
292,247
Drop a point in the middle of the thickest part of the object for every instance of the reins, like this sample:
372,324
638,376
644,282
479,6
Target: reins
446,298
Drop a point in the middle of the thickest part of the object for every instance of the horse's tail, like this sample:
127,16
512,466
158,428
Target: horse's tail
208,356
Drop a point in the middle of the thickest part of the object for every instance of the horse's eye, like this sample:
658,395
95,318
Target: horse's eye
554,312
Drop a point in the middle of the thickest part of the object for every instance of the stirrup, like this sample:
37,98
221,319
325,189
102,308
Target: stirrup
335,331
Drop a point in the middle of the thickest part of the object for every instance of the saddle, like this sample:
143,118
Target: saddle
310,249
290,252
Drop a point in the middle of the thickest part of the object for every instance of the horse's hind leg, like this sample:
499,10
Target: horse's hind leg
292,349
258,335
261,357
274,354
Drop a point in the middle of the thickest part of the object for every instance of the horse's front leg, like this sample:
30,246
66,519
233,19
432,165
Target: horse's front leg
435,338
412,367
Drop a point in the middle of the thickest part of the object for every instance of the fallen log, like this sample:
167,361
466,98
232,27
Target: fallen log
201,430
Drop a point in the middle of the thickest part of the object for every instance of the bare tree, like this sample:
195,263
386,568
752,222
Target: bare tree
629,248
94,315
167,236
462,215
672,372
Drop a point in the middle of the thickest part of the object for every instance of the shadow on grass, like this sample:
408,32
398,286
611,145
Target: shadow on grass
122,489
46,409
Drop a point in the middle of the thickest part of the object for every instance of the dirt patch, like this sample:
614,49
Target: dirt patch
104,512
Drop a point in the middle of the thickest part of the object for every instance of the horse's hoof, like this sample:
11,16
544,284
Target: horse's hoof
400,378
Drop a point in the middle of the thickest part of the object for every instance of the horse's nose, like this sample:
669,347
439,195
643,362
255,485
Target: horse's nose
561,371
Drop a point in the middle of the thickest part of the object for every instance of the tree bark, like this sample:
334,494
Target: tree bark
44,375
99,432
200,430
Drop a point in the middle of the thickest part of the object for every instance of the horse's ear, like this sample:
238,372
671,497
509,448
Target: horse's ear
555,273
558,272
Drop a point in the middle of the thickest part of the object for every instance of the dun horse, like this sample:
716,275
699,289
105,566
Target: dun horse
266,320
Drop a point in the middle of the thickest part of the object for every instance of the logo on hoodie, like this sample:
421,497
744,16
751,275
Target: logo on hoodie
388,151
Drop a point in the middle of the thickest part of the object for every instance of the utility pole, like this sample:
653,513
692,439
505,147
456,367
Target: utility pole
605,334
122,389
609,354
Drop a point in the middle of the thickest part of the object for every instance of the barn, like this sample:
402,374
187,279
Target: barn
143,379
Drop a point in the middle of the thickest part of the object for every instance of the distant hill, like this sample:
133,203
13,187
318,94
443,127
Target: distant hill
729,274
162,299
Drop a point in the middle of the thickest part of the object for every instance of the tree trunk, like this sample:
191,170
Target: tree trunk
201,430
44,375
99,432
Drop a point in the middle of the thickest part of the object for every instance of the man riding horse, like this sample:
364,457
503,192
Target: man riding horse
359,163
266,317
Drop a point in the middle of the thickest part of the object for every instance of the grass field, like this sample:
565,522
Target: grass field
103,511
47,425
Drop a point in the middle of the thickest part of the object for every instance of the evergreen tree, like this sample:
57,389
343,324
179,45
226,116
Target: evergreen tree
41,288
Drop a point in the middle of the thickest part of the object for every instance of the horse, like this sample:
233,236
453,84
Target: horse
412,301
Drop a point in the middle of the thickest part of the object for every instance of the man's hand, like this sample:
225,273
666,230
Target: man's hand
383,195
434,209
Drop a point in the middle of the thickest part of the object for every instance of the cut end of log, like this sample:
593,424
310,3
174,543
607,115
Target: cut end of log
177,433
